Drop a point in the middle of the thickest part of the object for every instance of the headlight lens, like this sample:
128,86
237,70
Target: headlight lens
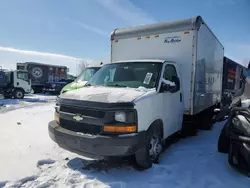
120,116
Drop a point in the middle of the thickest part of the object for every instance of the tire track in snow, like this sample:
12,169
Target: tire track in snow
55,174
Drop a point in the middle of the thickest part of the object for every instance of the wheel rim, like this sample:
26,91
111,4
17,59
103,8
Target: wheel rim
155,147
19,94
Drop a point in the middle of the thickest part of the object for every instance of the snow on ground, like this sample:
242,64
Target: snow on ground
29,158
29,100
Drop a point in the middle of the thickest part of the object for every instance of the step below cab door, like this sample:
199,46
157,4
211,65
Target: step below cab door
171,91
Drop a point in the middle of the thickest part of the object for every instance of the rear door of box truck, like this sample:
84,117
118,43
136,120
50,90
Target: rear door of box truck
174,46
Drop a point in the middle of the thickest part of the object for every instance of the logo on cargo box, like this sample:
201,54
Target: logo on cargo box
37,72
174,39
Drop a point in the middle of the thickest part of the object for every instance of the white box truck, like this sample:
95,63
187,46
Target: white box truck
163,78
14,83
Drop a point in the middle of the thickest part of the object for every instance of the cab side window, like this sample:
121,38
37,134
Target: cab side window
170,74
23,76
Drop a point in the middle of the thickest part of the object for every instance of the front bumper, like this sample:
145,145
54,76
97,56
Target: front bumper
96,145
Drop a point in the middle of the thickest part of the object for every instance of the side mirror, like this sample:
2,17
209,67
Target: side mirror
164,87
167,86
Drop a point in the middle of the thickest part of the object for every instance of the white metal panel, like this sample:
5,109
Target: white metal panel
176,47
26,86
151,108
208,70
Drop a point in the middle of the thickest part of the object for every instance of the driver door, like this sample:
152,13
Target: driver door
172,100
21,80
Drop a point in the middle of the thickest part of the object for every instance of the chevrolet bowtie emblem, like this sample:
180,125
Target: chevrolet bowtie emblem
77,118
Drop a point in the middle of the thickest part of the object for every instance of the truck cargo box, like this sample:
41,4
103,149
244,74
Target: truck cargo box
41,73
189,43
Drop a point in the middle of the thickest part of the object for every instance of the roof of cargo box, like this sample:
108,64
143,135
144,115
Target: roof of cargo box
143,61
36,63
228,60
163,27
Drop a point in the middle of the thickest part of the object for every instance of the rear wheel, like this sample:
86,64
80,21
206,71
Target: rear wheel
207,122
150,153
18,94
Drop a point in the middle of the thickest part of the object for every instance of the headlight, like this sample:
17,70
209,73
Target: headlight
120,116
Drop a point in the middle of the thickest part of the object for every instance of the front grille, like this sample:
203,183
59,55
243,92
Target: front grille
85,112
81,127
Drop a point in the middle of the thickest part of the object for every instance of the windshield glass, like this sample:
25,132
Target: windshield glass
23,76
132,74
87,74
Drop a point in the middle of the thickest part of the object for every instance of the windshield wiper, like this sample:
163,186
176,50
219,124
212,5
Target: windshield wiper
115,85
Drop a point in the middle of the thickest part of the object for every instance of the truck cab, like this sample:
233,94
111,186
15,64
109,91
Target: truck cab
15,84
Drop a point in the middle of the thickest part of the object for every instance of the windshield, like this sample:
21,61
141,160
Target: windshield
132,74
23,76
87,74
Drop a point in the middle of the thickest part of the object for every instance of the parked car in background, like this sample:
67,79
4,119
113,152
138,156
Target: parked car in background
56,87
231,81
83,78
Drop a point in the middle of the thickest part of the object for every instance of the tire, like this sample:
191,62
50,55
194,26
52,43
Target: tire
224,140
188,129
150,153
206,121
19,94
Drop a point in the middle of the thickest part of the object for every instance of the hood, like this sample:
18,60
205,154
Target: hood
106,94
74,85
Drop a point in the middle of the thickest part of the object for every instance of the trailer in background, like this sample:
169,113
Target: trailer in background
231,82
41,73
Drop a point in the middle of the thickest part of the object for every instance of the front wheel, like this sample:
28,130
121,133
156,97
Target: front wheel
150,153
18,94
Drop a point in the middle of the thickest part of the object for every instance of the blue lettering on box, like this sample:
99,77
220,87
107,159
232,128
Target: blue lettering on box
174,39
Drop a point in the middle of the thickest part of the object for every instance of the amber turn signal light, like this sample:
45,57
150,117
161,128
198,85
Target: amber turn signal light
120,129
57,118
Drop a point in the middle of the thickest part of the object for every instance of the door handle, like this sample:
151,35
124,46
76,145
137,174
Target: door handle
17,83
180,97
